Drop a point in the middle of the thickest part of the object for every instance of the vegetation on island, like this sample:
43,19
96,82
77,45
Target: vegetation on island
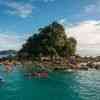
50,41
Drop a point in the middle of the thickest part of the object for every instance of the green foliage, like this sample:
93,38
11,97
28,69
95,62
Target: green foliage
49,41
71,45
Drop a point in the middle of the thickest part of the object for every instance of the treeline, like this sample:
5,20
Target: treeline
50,41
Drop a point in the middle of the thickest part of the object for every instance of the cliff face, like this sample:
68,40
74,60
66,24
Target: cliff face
50,41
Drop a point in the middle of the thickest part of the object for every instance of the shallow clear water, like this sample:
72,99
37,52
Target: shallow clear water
80,85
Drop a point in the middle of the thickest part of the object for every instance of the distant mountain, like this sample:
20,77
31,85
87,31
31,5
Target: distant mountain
6,53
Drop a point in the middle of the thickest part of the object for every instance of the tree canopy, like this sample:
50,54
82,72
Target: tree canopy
50,41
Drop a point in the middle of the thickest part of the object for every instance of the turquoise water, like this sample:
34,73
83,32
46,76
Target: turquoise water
80,85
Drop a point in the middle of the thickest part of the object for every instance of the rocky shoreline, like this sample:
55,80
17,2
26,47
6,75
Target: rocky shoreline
56,65
63,67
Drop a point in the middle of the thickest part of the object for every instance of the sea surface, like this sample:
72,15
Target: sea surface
76,85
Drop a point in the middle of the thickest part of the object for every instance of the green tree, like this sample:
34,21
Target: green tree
49,41
71,45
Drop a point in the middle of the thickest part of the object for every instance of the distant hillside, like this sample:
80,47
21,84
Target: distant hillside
6,53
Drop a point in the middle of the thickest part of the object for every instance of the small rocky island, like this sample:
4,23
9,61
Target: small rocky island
51,48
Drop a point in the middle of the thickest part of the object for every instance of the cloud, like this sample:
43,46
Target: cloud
92,9
89,11
8,42
22,9
11,41
62,21
18,8
87,34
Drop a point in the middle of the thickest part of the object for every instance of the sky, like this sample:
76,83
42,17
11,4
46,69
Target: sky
19,19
